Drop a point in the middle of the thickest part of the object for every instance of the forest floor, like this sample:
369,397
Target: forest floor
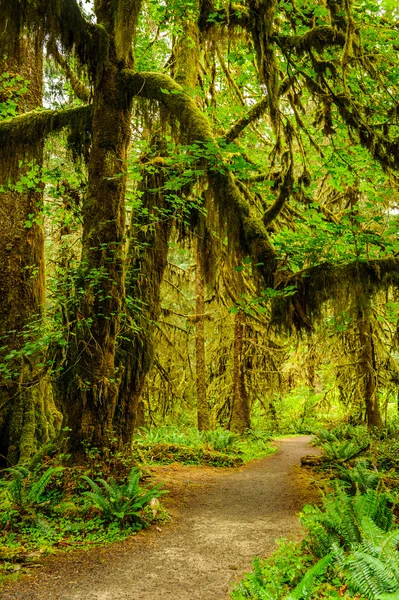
221,519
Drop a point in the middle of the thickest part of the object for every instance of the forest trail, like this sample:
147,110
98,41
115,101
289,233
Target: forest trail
221,520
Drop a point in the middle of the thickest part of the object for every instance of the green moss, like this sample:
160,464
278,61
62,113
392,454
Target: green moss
243,230
19,134
170,453
346,285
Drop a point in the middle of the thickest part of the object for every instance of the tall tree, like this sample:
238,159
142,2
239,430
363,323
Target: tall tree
27,414
323,77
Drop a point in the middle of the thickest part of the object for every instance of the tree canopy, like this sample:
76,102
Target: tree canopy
265,130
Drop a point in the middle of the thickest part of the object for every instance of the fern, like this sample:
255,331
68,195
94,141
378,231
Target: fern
23,490
342,451
304,589
359,476
369,575
121,501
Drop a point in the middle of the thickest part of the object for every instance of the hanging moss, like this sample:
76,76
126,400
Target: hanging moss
262,14
61,20
127,12
243,229
343,284
19,134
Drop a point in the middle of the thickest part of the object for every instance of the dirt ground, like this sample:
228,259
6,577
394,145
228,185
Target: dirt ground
221,519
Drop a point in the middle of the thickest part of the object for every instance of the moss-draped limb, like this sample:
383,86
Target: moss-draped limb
284,193
80,90
317,38
60,19
254,113
243,229
19,132
339,283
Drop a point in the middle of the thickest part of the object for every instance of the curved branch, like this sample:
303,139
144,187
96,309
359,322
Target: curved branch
24,131
252,115
284,194
317,38
80,90
319,284
243,228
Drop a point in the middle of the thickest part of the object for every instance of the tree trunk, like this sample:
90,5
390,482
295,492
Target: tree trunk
148,257
88,385
240,418
202,401
28,417
368,373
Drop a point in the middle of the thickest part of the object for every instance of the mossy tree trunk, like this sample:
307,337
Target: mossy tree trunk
88,387
202,401
147,261
368,372
27,414
240,416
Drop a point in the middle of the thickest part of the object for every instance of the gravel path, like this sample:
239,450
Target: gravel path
225,518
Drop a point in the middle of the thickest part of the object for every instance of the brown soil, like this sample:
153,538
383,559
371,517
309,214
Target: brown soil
221,519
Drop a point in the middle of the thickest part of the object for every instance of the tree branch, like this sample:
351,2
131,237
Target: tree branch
25,130
337,282
284,194
317,38
80,90
252,115
243,228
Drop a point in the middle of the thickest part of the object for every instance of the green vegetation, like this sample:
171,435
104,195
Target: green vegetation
190,446
350,546
47,508
198,250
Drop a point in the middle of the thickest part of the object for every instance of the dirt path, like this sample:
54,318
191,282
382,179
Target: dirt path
221,520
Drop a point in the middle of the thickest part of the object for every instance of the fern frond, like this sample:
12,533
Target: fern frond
304,589
368,575
34,494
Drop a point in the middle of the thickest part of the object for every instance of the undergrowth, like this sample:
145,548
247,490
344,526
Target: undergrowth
190,446
50,506
350,549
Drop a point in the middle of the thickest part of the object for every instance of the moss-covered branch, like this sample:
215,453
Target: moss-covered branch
343,284
317,38
252,115
284,194
25,130
80,90
242,227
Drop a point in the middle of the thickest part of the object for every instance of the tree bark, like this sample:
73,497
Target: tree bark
368,373
240,418
88,385
202,401
28,417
